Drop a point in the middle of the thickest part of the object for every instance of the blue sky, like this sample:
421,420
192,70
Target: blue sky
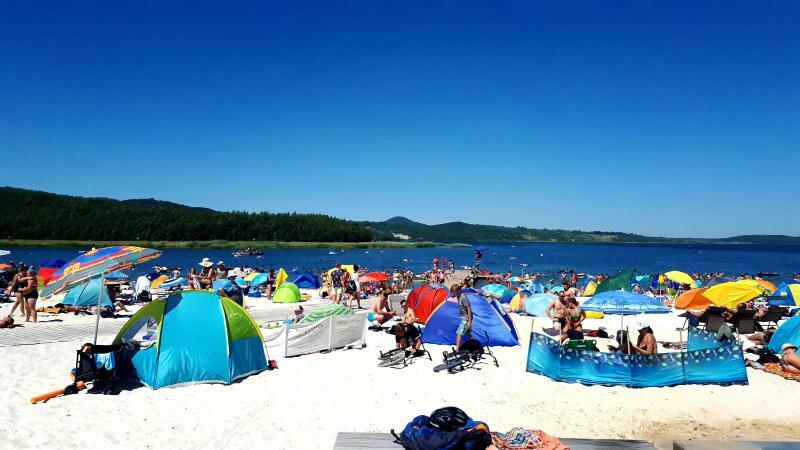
648,117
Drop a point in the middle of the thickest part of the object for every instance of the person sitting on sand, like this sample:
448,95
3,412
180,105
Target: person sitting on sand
762,337
574,323
557,311
646,344
205,279
790,360
625,347
380,311
406,333
231,289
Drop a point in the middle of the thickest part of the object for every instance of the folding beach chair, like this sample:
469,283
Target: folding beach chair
714,323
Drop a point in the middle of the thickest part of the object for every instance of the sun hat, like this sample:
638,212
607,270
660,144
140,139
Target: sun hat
643,325
220,263
787,346
206,262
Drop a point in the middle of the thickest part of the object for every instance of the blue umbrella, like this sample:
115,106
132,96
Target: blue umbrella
557,289
241,282
87,294
625,303
494,290
259,279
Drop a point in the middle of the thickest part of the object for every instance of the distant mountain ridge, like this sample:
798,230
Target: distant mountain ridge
36,215
451,232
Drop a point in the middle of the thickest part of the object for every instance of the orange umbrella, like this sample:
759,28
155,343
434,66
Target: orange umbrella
693,299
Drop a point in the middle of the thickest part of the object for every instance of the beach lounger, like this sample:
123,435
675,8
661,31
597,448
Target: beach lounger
773,315
385,441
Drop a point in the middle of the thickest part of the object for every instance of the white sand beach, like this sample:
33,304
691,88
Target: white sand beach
309,399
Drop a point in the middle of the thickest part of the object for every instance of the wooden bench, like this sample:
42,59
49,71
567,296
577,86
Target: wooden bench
385,441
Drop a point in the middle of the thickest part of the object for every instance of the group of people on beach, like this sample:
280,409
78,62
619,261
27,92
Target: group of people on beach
19,283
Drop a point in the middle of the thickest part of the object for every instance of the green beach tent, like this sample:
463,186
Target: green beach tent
326,311
287,293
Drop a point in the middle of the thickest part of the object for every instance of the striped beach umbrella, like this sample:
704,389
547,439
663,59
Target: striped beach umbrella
96,263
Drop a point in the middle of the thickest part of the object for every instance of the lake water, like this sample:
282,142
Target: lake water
539,257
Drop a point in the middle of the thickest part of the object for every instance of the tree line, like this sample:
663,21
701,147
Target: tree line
27,214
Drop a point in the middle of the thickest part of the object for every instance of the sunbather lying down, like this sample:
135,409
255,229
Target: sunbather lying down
7,322
790,360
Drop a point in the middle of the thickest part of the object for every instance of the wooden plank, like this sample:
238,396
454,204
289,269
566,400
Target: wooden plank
735,445
591,444
385,441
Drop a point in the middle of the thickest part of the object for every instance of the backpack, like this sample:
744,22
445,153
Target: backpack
419,434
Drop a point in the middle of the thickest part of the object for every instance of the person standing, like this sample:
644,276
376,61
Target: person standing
336,282
270,283
346,279
14,288
354,286
29,294
465,313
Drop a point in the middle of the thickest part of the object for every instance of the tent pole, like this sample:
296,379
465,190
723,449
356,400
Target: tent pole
99,301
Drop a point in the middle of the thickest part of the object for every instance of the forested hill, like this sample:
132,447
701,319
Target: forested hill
401,228
27,214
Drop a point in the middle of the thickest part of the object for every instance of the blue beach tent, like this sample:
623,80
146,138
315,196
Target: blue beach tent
86,295
789,332
193,337
307,280
490,324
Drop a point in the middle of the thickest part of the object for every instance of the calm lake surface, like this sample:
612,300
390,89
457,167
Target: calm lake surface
539,257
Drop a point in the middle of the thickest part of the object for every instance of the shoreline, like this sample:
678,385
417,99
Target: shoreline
223,245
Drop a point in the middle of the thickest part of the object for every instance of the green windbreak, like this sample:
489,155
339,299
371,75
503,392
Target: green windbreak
619,282
240,324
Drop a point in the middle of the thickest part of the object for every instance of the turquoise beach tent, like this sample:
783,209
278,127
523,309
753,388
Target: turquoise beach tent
193,337
490,324
86,295
789,332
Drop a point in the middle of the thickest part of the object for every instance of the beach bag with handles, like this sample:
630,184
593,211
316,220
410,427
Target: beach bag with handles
447,428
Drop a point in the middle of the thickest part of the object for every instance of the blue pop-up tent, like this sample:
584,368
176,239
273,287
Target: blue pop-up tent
307,280
490,324
193,337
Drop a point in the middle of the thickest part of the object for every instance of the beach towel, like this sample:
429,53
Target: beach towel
519,438
775,368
